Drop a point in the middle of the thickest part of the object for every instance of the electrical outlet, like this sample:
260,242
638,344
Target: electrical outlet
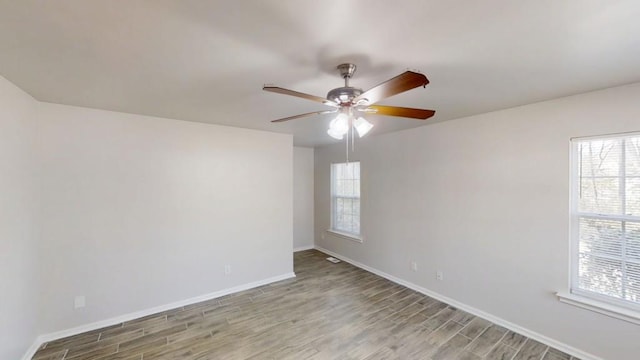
439,275
79,302
227,269
414,266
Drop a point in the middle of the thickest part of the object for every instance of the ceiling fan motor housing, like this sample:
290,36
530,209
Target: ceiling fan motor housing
344,95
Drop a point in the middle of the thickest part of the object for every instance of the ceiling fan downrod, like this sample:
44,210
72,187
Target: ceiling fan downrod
346,71
344,96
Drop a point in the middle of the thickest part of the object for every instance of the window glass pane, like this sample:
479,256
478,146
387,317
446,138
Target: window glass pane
348,220
600,275
632,235
632,292
338,188
348,203
346,195
632,146
339,205
347,188
351,170
600,196
338,171
632,201
600,158
347,170
340,223
601,237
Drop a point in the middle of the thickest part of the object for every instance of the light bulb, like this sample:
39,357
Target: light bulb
334,134
362,126
340,125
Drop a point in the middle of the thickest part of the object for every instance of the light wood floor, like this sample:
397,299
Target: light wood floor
329,311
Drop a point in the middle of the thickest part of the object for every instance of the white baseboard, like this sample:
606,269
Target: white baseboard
138,314
32,349
303,248
494,319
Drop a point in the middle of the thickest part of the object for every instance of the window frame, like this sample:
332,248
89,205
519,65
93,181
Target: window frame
332,214
604,304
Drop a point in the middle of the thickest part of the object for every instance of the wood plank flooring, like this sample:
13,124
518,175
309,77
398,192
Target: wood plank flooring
329,311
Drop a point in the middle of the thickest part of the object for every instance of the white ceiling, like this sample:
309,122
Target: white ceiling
207,61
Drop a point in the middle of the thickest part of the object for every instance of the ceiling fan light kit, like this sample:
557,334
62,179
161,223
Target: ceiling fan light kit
351,103
345,120
362,126
339,126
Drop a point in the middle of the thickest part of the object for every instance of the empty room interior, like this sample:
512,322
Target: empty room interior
352,179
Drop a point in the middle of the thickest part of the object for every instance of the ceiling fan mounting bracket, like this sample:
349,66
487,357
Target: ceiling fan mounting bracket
347,70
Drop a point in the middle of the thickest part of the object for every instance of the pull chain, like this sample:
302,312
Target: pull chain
347,145
350,132
353,147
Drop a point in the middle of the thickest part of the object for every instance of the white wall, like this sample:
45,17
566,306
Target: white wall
132,212
485,199
18,222
139,212
302,198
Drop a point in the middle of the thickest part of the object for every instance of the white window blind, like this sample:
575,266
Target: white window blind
606,219
345,198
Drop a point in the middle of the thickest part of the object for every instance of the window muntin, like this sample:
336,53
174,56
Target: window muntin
606,219
345,198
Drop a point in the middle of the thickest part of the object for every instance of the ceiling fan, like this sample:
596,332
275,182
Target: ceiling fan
350,102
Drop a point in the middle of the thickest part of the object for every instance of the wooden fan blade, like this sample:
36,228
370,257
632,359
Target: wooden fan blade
284,91
421,114
401,83
304,115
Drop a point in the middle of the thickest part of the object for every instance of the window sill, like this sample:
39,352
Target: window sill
600,307
351,237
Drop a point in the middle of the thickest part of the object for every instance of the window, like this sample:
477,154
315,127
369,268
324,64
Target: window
605,220
345,199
